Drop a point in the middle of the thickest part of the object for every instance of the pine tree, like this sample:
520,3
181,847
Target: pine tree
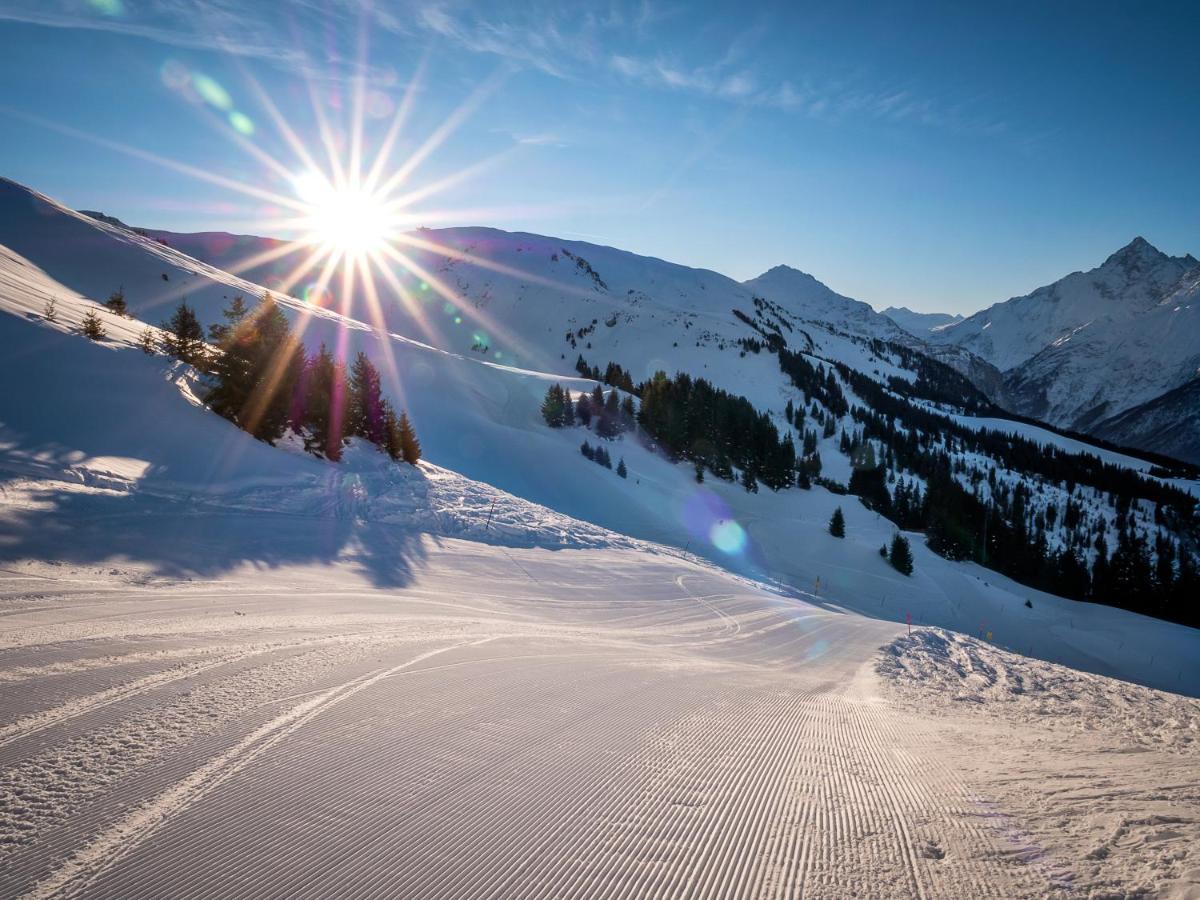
699,472
324,396
234,313
749,482
586,449
901,555
257,373
621,470
183,338
391,431
583,409
116,302
50,310
628,412
91,326
410,447
837,524
554,406
146,341
364,402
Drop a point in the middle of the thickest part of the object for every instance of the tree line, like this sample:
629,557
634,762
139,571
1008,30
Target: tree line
263,380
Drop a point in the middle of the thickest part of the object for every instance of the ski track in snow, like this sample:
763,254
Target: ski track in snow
665,730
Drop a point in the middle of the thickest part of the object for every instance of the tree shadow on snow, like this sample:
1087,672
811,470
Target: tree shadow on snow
181,539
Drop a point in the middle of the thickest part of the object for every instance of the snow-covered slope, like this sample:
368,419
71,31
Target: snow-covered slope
479,419
1170,423
810,300
1094,344
919,323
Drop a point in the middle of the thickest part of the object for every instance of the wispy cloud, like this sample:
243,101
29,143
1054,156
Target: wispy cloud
626,40
579,47
194,24
535,139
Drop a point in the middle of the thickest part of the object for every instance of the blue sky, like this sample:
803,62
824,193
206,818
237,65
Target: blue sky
939,156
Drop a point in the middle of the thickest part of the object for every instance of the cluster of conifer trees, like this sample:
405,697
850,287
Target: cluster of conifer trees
716,431
601,456
613,414
1004,533
691,419
265,382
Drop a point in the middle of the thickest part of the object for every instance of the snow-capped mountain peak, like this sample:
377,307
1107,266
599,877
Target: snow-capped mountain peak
807,298
1139,255
1077,352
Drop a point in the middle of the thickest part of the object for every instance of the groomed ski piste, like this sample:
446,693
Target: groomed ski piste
236,670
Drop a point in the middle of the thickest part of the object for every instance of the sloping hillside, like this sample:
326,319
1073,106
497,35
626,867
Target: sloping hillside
482,420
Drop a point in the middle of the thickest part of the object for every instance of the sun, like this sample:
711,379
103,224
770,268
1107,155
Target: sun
350,220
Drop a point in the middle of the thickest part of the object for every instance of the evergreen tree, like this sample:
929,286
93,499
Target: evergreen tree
699,472
586,449
91,326
410,447
901,555
116,302
628,412
554,406
365,405
233,314
392,444
621,470
837,524
583,409
325,388
50,310
749,482
146,341
257,373
182,336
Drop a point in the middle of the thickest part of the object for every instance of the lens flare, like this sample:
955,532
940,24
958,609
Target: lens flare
728,537
708,518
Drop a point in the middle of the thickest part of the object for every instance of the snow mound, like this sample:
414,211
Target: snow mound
932,664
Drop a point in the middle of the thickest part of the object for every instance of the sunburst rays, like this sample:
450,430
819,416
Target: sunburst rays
344,207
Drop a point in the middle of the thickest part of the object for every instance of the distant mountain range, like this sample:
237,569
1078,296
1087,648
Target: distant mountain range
919,323
1113,352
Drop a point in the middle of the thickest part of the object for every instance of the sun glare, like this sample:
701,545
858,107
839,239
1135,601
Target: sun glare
350,219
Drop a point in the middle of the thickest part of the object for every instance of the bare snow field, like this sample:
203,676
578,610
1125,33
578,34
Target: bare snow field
1071,761
516,721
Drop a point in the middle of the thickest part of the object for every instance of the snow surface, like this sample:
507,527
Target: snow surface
235,668
1092,753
